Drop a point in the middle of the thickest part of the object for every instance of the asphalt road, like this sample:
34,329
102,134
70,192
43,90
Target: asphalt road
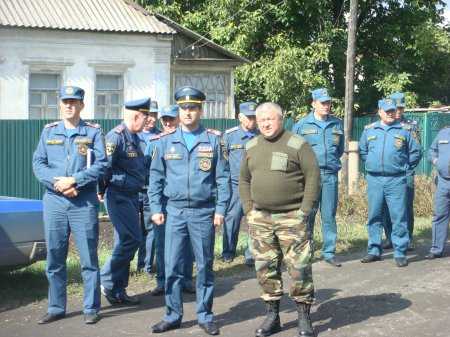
356,300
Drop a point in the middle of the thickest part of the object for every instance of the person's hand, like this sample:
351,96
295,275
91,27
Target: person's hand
158,219
63,183
71,192
218,220
101,197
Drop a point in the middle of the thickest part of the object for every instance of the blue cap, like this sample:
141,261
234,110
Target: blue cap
320,95
142,105
386,104
247,108
169,111
71,92
154,106
189,95
399,99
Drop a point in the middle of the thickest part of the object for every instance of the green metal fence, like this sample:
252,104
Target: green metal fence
19,138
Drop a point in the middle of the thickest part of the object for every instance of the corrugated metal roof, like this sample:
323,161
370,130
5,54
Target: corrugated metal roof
83,15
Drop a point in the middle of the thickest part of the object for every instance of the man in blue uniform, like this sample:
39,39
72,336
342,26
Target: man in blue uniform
399,100
390,152
188,169
169,120
146,252
234,141
439,156
121,185
325,134
68,161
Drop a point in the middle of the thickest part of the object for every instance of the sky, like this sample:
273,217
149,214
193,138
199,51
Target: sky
447,11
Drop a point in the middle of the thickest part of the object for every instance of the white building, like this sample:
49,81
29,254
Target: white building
113,49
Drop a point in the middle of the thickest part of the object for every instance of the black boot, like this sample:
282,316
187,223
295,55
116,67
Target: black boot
304,326
271,324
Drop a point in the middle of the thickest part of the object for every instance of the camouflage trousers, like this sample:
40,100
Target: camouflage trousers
275,236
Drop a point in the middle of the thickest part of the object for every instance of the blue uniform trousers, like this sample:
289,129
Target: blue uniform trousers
387,223
231,226
146,252
123,210
328,204
78,216
441,216
194,225
392,191
160,265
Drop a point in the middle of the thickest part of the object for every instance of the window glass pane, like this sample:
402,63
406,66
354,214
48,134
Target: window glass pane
44,81
109,82
35,113
52,113
52,99
35,99
114,98
101,100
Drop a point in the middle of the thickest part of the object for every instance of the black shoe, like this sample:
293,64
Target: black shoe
332,261
158,291
271,323
210,328
250,263
128,300
387,244
164,326
431,256
304,325
401,261
411,246
227,260
91,318
189,290
109,296
370,258
118,299
49,318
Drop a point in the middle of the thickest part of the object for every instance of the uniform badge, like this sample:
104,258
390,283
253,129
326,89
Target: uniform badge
398,143
82,149
172,149
55,142
204,164
110,148
132,154
69,91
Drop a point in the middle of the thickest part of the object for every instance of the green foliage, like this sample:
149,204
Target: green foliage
297,45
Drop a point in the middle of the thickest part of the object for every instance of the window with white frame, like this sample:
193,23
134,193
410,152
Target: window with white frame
108,96
213,85
43,96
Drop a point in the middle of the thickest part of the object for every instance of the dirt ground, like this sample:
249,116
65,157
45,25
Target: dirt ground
356,300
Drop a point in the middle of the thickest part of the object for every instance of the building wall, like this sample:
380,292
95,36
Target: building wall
144,61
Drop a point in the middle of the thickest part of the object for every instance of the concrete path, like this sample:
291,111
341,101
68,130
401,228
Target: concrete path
356,300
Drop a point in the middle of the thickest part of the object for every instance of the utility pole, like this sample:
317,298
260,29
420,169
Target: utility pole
349,88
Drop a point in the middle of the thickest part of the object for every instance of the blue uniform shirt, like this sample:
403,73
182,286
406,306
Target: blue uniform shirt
389,149
439,153
196,178
58,155
326,139
126,162
234,141
145,138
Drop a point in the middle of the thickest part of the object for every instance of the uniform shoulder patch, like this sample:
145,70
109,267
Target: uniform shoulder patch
155,137
295,142
162,134
119,128
214,132
93,125
232,129
251,143
50,125
370,126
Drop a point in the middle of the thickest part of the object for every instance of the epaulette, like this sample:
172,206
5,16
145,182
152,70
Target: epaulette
162,134
370,126
119,128
214,132
406,126
232,129
93,125
49,125
155,137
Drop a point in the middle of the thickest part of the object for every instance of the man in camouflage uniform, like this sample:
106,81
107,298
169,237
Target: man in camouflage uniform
278,185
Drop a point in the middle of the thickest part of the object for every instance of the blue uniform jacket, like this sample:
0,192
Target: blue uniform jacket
327,142
439,153
389,149
199,178
234,141
59,156
145,138
126,162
